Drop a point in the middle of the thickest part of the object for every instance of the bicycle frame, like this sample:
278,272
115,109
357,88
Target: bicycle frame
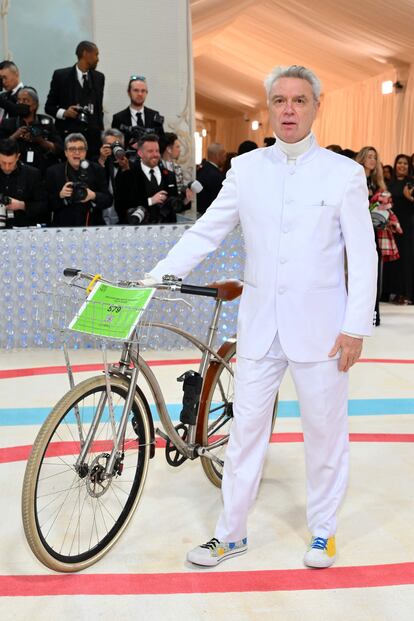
130,355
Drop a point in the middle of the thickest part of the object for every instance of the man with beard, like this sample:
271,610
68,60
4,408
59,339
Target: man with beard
144,191
137,114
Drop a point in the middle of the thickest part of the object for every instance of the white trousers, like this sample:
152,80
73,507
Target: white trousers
323,394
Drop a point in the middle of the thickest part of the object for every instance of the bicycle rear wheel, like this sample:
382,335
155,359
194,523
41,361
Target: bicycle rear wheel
72,518
216,412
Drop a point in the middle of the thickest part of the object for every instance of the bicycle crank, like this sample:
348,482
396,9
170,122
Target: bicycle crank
172,454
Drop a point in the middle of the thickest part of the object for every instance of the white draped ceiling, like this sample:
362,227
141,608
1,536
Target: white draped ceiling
346,42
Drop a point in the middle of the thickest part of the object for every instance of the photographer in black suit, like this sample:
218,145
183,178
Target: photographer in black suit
145,192
23,199
10,84
137,115
39,144
76,95
77,189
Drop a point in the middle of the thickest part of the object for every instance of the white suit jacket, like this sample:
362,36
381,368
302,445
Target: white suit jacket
296,220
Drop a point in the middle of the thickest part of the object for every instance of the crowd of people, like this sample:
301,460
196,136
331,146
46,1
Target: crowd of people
63,168
391,195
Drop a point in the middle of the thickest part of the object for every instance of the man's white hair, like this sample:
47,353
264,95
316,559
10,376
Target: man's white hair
294,71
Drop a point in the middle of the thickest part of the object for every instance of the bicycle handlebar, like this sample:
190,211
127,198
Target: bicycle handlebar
212,292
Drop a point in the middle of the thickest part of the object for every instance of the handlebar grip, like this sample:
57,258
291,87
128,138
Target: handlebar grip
211,292
71,271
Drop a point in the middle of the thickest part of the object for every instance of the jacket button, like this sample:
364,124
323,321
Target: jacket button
281,290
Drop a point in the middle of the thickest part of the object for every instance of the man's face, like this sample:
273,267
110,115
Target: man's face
292,108
138,92
150,154
75,152
23,97
8,163
10,78
91,57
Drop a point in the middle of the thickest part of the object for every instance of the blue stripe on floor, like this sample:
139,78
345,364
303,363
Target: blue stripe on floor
287,409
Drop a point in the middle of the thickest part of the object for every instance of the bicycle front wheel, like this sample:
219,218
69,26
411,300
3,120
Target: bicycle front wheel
73,516
216,412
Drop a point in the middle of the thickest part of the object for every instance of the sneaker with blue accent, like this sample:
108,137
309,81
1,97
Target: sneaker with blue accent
320,553
215,551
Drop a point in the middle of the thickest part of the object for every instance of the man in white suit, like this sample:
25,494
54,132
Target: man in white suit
300,206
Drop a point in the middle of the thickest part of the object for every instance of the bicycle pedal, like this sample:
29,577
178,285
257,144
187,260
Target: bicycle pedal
204,452
172,454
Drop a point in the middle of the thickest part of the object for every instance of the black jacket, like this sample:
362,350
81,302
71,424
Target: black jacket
66,91
131,191
31,152
25,184
123,118
211,179
78,214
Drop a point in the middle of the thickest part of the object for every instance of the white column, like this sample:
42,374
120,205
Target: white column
153,39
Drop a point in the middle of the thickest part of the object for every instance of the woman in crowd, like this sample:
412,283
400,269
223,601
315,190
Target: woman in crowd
399,278
170,148
368,158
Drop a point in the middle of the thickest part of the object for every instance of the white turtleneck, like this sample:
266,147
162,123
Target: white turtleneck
294,149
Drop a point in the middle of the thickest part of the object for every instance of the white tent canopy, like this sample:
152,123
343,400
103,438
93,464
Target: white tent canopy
348,43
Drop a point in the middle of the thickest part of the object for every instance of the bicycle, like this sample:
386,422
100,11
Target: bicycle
87,469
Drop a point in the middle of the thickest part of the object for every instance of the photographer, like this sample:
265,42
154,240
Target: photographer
23,200
11,83
77,189
144,192
112,158
39,143
76,95
138,117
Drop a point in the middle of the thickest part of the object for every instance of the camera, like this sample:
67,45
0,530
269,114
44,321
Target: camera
136,132
80,186
118,151
84,112
4,201
41,129
136,215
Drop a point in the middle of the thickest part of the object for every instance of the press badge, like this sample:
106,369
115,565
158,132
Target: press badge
30,157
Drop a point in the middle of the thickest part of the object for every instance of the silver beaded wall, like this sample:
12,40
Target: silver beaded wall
32,263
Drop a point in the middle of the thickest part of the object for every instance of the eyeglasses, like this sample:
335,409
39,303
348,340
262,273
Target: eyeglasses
142,78
76,149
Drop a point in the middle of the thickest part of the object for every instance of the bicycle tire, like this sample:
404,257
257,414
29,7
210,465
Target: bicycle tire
42,479
216,415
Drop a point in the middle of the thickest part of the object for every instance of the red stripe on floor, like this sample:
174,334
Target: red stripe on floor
21,453
208,582
84,368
